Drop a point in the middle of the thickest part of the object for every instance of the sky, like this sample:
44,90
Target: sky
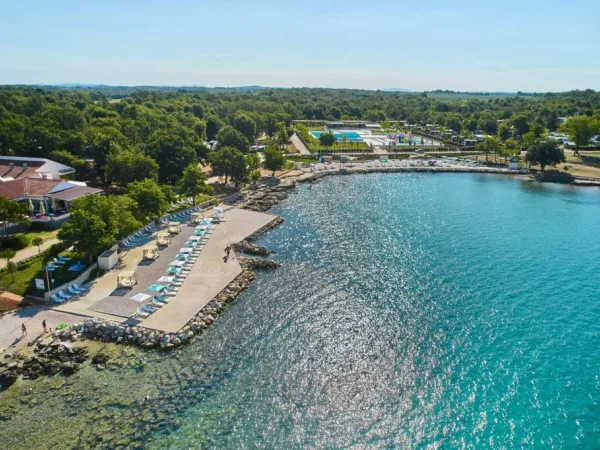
466,45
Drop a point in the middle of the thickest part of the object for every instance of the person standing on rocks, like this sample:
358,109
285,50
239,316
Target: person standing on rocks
23,329
227,251
44,325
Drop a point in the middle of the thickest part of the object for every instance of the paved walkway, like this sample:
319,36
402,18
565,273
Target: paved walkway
10,325
209,275
29,251
299,145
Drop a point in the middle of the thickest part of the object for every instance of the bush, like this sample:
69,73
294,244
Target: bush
55,249
214,202
15,242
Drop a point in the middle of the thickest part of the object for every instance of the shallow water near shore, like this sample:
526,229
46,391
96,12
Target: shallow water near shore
455,310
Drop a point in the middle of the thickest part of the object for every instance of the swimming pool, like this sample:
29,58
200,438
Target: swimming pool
351,136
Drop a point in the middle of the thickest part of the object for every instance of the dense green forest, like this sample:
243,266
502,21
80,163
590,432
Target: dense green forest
128,130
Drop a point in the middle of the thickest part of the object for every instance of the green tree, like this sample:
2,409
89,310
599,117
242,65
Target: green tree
239,169
11,268
581,128
521,124
124,167
253,162
274,160
213,125
87,233
230,137
488,146
511,147
327,139
454,122
38,241
149,197
65,157
198,110
255,175
544,153
172,154
529,139
227,162
11,213
504,131
282,134
193,182
117,212
245,125
9,254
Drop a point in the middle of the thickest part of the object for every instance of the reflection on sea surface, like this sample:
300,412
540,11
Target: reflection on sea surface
410,310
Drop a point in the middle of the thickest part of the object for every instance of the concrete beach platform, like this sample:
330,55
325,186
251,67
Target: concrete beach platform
209,275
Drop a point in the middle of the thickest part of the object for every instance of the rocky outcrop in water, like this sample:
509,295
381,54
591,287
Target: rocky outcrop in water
257,263
49,357
247,247
265,197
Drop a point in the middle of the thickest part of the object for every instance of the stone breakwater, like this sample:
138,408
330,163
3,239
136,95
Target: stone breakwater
311,176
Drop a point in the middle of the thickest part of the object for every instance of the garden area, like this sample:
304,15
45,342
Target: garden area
65,267
21,240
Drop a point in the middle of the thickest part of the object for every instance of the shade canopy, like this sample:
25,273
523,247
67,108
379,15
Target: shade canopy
177,263
174,227
185,250
165,279
150,251
126,278
163,238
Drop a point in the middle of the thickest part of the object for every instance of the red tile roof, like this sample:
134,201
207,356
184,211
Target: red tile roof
27,187
17,171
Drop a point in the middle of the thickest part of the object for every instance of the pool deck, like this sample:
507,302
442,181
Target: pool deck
209,275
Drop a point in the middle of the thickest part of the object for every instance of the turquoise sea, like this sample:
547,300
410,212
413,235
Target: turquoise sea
410,310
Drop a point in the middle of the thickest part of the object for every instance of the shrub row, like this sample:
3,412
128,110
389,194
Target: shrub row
15,242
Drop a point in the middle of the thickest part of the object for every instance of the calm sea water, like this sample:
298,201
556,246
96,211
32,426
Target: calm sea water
416,310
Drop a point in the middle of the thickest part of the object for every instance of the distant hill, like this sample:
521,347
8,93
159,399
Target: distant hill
157,87
396,90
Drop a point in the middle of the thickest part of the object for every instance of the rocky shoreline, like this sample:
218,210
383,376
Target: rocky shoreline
49,357
60,352
263,198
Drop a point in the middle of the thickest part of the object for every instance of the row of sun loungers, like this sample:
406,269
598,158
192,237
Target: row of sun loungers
57,262
70,293
172,288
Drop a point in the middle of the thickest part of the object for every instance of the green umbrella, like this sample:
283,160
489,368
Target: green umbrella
30,206
42,209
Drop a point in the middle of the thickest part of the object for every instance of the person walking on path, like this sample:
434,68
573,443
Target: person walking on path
44,325
23,329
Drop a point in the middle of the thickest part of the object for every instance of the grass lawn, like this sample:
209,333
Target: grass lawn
25,274
45,235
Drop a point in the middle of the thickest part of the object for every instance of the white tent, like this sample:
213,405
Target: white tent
126,278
